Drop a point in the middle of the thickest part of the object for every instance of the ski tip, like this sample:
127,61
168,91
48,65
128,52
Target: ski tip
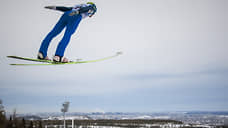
13,57
19,64
13,64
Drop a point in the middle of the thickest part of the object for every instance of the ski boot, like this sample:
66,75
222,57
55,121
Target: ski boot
59,59
41,57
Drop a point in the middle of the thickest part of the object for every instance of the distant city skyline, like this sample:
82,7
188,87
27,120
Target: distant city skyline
199,118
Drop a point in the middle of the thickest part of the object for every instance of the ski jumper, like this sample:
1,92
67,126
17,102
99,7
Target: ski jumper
68,21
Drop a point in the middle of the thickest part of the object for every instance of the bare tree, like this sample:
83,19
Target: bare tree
3,120
2,111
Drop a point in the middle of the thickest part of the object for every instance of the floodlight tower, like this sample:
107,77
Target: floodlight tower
64,110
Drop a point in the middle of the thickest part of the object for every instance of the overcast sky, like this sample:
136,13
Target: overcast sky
175,57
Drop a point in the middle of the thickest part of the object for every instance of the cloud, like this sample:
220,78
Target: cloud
222,72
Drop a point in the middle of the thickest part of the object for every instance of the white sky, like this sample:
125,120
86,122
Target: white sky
175,56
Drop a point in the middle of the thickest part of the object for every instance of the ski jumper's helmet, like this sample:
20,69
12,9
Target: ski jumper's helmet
94,8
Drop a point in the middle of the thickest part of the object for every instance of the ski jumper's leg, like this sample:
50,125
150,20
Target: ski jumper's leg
72,24
54,32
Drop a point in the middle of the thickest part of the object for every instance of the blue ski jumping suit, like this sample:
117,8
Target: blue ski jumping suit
66,21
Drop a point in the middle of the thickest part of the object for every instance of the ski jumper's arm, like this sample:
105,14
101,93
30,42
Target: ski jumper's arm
63,9
59,8
83,9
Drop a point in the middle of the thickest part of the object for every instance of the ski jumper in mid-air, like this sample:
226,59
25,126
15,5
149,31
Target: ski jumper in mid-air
70,19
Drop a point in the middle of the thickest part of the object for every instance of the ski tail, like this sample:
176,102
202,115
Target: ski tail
29,59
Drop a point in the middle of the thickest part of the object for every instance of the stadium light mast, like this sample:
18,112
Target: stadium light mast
64,110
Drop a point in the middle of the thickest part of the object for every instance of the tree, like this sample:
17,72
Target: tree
40,124
23,123
10,123
31,124
1,107
3,120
